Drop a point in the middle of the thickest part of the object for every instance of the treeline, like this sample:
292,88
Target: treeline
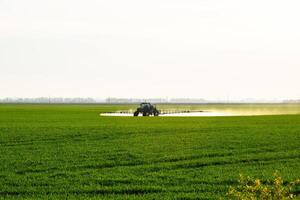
48,100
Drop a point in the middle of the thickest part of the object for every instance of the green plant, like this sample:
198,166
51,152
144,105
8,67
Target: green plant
252,189
71,152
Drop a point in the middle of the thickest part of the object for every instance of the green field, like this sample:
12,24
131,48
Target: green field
69,151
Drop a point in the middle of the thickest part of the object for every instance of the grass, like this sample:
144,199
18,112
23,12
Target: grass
69,151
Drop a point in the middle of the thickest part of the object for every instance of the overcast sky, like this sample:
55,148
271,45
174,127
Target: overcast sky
213,49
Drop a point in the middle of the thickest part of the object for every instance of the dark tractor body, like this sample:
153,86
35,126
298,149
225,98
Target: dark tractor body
146,109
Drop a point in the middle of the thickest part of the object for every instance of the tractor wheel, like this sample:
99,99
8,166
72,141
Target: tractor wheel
145,114
156,113
136,113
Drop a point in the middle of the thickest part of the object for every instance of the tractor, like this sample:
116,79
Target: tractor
146,109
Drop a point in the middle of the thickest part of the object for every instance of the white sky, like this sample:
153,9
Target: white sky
211,49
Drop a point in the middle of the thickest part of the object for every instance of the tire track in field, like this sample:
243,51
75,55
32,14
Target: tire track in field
165,164
161,165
